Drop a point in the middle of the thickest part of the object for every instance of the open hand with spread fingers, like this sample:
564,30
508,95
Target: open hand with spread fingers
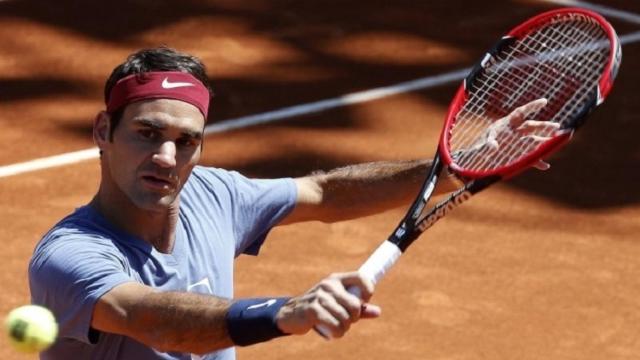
517,125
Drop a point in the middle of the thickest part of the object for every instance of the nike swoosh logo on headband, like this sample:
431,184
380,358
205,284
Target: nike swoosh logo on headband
166,84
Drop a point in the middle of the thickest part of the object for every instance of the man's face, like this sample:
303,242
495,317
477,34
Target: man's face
155,146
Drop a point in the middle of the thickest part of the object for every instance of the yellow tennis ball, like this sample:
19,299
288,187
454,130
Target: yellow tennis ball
31,328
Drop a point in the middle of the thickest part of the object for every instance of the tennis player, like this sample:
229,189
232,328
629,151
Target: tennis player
145,270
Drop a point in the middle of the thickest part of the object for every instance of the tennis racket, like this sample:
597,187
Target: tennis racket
518,105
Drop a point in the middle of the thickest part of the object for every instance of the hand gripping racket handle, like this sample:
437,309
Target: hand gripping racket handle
373,269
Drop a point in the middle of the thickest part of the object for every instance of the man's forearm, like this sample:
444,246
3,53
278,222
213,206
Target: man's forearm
365,189
176,321
184,321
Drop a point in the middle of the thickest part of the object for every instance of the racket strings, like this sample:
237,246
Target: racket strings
571,105
521,80
561,62
540,78
492,82
520,145
518,91
497,81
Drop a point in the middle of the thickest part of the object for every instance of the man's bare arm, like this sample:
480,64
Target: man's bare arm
166,321
359,190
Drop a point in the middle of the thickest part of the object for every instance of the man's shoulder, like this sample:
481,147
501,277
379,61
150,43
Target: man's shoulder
84,220
211,175
210,180
80,229
78,245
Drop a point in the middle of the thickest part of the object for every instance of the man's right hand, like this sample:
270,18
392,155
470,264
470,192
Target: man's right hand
330,305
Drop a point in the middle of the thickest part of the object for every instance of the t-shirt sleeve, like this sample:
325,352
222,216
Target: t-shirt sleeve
255,205
69,274
261,204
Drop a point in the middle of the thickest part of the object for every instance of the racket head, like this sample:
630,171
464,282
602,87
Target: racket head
568,56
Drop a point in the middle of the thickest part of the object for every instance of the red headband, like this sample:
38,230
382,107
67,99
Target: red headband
159,85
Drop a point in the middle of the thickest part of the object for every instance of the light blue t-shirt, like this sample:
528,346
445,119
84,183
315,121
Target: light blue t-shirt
222,214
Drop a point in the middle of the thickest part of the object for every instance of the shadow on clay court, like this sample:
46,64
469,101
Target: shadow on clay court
596,171
16,89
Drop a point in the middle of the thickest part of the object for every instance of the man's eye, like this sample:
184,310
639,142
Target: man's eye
186,142
148,134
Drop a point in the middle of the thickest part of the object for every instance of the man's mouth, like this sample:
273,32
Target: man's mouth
157,182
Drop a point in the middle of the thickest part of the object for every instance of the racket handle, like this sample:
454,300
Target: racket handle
373,269
380,261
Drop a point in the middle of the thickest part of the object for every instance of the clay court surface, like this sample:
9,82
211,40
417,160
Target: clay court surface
543,267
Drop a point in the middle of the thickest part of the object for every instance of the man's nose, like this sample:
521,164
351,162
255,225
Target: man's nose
166,155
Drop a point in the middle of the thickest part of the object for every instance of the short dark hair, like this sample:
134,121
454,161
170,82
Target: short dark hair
154,59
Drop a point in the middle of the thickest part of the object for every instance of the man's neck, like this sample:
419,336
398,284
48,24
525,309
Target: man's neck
155,227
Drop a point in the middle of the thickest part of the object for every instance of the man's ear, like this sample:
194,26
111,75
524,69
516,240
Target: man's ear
101,129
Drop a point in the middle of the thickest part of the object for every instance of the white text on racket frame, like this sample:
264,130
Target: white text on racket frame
443,209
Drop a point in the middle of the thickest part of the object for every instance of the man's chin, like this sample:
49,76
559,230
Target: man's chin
156,203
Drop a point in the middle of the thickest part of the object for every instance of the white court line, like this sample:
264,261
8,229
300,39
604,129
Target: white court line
273,116
630,38
344,100
49,162
604,10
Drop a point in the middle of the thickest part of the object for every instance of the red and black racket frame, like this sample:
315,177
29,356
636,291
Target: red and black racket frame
414,223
